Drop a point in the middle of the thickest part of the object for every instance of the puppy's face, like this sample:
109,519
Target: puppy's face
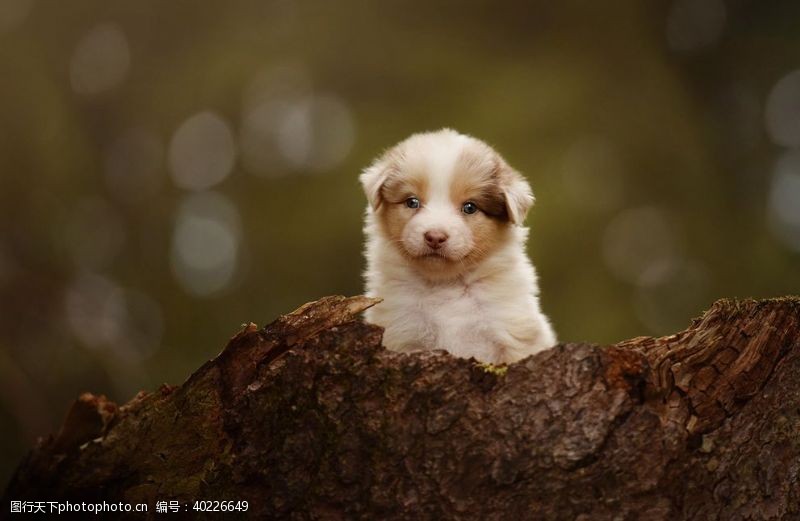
445,201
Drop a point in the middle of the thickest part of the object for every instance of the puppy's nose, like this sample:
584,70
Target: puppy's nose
435,238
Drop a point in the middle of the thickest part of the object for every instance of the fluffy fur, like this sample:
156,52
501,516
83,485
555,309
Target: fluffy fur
451,279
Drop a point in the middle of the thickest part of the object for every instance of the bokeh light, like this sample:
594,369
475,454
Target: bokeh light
105,317
316,133
638,239
286,127
782,112
13,13
101,59
205,243
670,290
784,199
202,152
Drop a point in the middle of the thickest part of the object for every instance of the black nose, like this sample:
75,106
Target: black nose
435,239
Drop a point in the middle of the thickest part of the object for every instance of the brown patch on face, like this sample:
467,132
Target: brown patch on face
401,185
392,219
394,214
477,179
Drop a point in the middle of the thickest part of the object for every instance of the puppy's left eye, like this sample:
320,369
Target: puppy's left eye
469,208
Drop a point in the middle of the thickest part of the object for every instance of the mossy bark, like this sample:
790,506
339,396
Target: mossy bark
310,418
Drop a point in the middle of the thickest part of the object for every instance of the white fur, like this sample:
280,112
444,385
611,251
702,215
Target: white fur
490,311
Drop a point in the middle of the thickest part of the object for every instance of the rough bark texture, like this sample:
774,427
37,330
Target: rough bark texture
310,418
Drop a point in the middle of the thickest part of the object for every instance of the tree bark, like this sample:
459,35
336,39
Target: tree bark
310,418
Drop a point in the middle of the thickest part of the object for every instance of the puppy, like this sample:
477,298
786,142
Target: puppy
445,250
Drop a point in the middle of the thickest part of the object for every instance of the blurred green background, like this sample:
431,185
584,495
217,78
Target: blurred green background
170,170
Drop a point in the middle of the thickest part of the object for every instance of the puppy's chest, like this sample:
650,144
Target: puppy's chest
452,315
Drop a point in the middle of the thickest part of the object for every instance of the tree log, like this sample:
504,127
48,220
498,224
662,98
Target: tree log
310,418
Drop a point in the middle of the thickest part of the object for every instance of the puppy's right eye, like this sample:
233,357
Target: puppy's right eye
412,202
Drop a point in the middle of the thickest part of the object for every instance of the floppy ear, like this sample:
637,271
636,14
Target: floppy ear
517,193
372,180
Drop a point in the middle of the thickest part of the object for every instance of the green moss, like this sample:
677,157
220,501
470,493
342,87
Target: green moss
497,370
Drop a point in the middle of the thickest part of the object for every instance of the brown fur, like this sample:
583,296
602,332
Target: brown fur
478,180
399,186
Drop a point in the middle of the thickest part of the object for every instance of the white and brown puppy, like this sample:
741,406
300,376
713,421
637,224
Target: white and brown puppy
446,251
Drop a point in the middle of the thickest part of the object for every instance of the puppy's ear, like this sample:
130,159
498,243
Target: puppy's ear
517,193
373,179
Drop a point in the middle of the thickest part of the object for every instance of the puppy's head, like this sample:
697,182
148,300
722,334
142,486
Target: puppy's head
445,201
